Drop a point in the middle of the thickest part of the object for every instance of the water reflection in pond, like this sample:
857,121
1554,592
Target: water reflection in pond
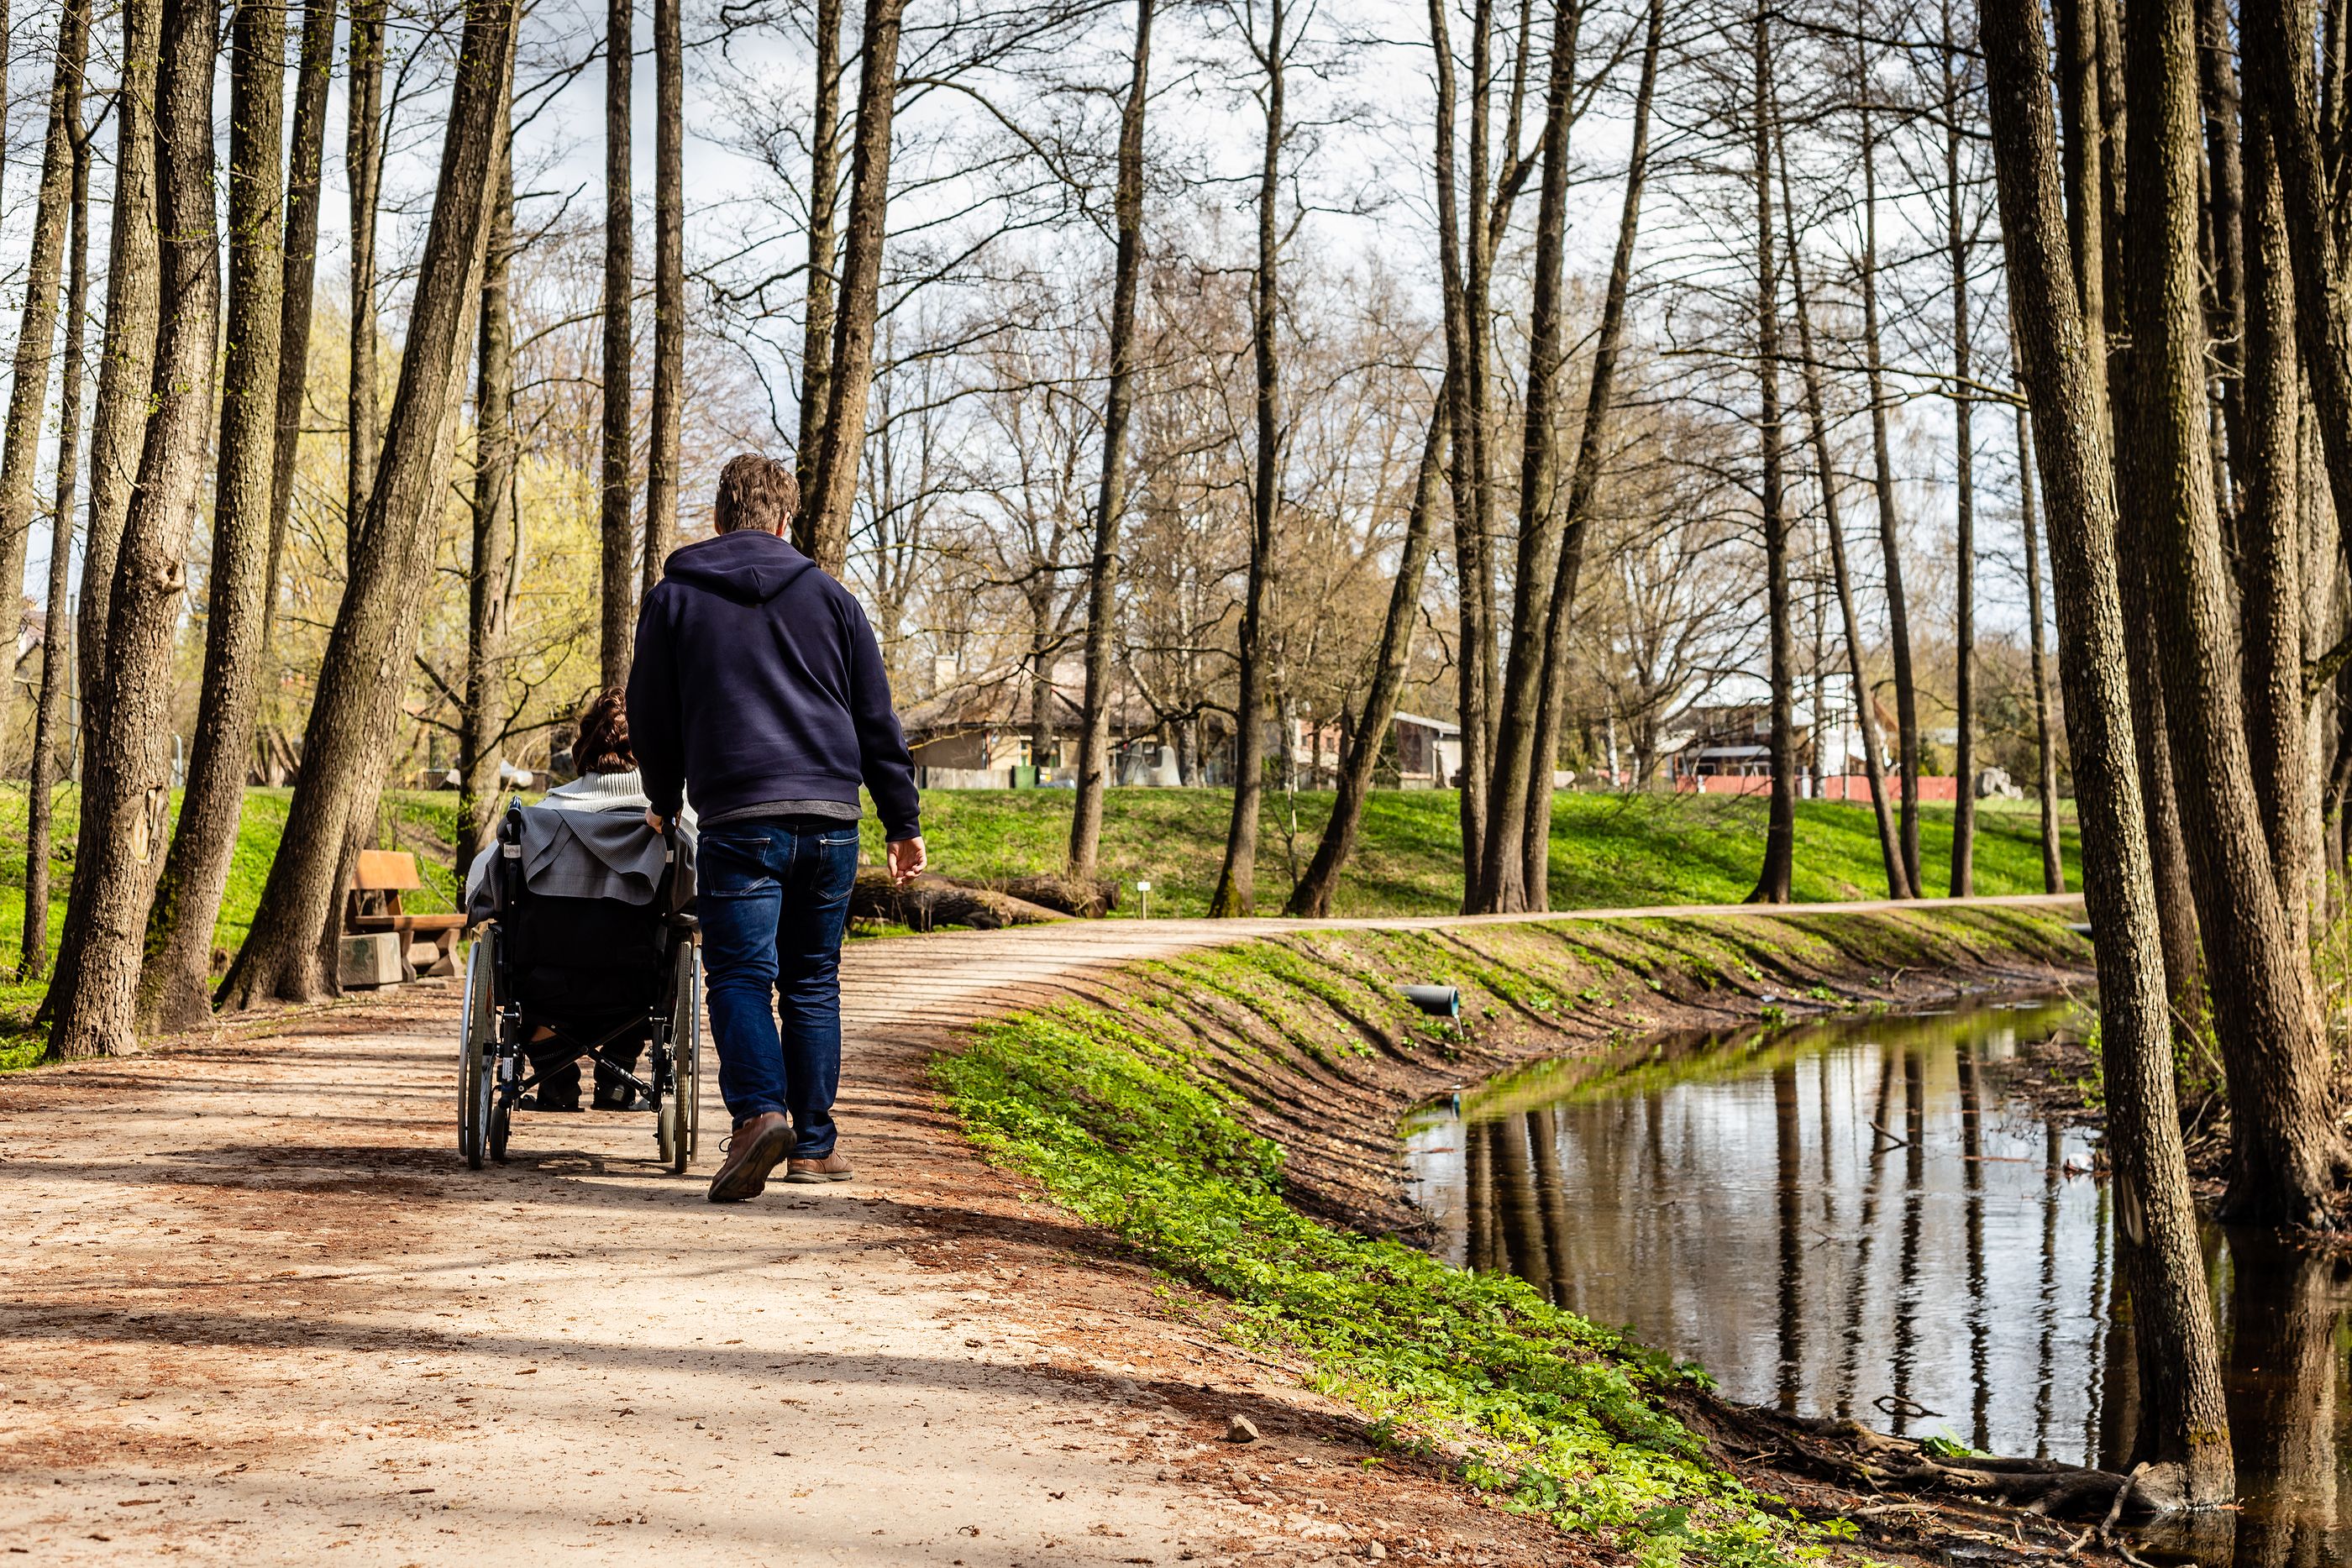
1849,1218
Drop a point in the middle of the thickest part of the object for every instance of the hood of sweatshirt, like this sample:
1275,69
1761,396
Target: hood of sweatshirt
748,566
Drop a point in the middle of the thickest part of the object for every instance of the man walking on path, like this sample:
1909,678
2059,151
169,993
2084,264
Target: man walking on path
759,689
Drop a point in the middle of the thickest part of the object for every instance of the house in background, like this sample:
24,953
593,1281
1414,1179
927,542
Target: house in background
975,732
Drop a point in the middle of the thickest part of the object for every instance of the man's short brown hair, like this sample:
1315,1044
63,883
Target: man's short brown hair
755,492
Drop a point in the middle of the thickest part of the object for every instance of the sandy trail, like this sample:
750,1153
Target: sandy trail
258,1311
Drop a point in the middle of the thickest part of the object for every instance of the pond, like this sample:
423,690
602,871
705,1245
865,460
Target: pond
1848,1217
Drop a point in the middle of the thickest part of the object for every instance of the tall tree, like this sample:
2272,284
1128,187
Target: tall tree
289,952
2184,1422
1890,519
127,769
175,988
1584,479
2283,1139
2053,861
1236,890
669,289
1964,493
37,329
1890,845
489,579
1110,499
833,488
363,137
305,159
117,432
824,214
1312,896
1780,820
57,638
619,622
1502,879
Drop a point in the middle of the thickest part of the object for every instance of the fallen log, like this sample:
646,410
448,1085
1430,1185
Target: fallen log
1087,898
929,902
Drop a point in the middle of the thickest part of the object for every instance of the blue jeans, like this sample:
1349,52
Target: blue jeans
774,897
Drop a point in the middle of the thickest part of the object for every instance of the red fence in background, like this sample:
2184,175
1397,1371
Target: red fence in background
1933,787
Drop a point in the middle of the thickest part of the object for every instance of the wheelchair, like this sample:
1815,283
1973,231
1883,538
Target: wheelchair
603,975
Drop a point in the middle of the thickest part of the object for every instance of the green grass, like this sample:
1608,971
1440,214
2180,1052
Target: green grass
1606,850
1558,1416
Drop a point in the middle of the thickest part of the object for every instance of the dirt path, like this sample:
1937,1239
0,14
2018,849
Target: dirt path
256,1311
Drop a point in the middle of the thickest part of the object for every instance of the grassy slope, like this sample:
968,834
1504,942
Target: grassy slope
1606,850
1140,1120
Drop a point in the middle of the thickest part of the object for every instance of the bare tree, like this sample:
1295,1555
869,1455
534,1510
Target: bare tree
363,139
1964,494
36,330
1119,396
57,638
824,212
1781,823
1236,891
669,289
2184,1420
827,503
294,929
127,772
481,724
2054,861
618,624
305,159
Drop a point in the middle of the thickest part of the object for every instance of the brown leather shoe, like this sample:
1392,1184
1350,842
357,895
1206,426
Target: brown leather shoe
832,1167
754,1150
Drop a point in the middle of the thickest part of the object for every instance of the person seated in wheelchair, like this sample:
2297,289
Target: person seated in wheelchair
586,961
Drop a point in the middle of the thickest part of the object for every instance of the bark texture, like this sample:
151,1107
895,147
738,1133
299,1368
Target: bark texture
490,582
2054,860
364,135
1111,500
834,489
175,987
127,775
2284,1141
368,651
2184,1422
669,290
616,521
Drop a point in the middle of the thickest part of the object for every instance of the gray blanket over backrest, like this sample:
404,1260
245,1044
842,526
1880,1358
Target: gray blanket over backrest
586,855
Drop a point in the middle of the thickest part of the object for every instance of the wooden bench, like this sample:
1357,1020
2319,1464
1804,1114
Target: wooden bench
377,882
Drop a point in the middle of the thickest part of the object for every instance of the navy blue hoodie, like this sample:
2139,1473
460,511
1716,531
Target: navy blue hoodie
757,679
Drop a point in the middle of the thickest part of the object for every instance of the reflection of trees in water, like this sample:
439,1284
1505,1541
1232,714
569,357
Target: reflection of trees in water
1643,1202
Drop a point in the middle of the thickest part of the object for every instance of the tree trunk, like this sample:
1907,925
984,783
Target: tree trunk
1890,846
1780,823
484,720
2225,207
1964,549
126,788
2270,543
1502,877
56,637
1119,397
2054,860
313,83
824,211
1312,896
1890,524
37,331
2184,1420
1584,483
669,290
368,652
1236,891
834,490
175,987
118,432
2284,1141
364,135
1463,368
618,625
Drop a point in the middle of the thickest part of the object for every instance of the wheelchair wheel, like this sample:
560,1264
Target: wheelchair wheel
501,1117
477,1054
673,1127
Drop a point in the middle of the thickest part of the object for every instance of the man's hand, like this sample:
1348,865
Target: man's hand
907,858
654,821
